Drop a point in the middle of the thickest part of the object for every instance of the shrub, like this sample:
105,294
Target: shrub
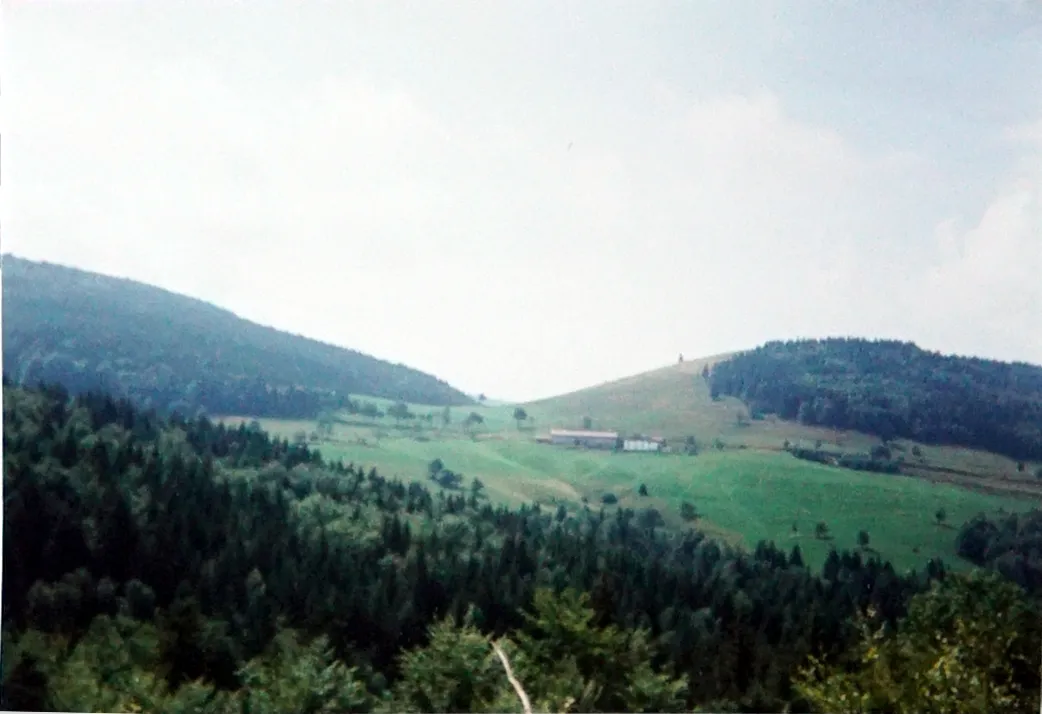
688,511
881,452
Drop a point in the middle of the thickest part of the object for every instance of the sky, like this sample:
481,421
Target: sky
526,198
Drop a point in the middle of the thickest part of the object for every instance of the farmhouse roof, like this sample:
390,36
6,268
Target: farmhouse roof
581,433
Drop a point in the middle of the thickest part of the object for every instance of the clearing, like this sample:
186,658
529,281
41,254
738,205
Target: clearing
741,495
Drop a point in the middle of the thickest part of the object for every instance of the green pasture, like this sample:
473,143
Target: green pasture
742,495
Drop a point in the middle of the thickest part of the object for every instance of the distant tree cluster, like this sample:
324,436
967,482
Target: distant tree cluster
446,478
688,511
1011,545
892,389
472,421
876,461
520,415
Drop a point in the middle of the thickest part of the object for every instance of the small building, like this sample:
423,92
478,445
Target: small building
643,443
588,439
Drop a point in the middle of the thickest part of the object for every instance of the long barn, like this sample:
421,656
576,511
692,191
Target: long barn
589,439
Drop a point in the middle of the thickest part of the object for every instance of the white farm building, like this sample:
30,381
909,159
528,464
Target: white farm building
642,444
603,440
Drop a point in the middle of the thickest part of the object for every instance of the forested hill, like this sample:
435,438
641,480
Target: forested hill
89,331
892,389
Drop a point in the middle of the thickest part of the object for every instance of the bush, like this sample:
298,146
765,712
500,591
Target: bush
690,446
864,462
814,455
651,518
688,511
821,530
609,499
881,452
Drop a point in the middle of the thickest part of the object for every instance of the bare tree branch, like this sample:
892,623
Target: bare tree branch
513,680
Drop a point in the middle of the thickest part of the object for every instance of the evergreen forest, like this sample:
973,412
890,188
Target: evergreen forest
167,563
892,390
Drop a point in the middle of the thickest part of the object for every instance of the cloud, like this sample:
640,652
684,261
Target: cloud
984,294
519,252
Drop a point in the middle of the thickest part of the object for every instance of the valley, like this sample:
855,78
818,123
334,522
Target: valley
330,511
748,490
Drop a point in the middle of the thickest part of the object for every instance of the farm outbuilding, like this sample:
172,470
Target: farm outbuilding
642,444
589,439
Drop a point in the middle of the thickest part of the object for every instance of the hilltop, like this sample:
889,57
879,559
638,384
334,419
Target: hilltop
90,331
892,390
671,401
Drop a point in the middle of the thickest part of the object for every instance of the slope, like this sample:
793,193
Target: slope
90,331
673,402
676,402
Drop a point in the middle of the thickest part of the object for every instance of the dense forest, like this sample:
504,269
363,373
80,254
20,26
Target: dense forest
1011,545
91,332
170,564
892,390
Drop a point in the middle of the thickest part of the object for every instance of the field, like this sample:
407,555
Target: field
747,491
674,402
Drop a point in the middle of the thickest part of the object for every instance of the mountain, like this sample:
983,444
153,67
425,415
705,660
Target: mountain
94,332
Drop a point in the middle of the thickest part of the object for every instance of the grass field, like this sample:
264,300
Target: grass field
674,402
748,491
742,495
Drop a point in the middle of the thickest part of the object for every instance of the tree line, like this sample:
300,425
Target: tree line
175,564
892,390
1011,545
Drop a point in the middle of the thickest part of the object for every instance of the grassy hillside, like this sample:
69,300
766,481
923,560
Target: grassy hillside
676,402
90,331
742,495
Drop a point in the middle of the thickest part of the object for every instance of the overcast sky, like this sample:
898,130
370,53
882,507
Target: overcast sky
526,198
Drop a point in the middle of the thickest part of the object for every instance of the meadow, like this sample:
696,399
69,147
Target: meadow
743,493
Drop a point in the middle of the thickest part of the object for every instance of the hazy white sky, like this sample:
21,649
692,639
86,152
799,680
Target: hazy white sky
525,198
